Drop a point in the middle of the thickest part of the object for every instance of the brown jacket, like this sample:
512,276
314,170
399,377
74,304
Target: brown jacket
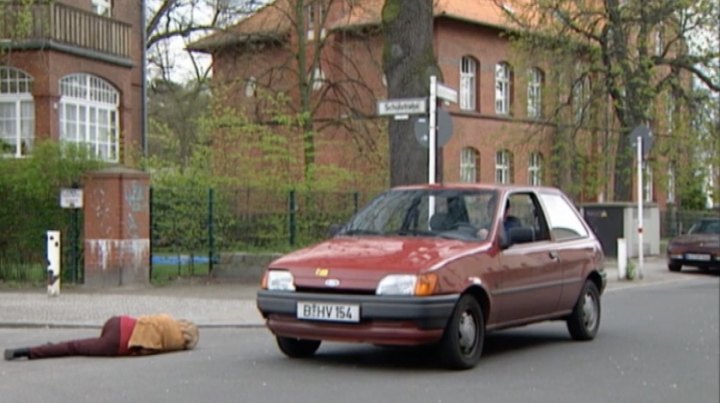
158,333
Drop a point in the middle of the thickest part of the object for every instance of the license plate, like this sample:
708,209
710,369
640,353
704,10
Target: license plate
697,256
328,312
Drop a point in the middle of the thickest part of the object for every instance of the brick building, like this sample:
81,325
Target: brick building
501,131
72,70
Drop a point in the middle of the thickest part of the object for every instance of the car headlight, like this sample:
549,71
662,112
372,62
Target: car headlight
279,280
407,284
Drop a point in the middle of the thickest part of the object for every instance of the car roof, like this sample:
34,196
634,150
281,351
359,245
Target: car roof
478,186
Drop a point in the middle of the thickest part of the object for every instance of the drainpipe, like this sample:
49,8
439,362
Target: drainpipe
143,101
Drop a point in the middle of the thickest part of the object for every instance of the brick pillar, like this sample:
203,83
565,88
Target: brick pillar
117,227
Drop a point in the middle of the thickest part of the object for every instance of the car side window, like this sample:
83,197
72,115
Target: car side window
523,210
562,218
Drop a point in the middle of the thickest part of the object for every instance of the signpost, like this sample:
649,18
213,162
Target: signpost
642,137
72,198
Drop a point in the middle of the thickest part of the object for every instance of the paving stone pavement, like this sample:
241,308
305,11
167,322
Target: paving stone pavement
213,303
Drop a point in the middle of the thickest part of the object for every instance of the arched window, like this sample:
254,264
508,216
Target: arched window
469,165
536,77
535,169
17,112
468,83
503,167
503,88
89,114
317,78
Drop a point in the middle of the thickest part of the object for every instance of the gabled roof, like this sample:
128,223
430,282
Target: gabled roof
272,22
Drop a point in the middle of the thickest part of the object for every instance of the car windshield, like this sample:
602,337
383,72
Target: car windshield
456,213
706,227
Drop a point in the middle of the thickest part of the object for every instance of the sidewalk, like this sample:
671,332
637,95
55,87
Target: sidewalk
214,304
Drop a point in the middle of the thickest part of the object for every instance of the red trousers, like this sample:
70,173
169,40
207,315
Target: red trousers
107,345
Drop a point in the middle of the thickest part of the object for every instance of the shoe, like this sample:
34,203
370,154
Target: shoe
11,354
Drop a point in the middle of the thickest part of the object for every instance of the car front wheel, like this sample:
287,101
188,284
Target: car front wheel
584,321
462,342
297,348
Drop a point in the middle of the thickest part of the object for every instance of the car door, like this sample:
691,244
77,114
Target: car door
531,275
573,245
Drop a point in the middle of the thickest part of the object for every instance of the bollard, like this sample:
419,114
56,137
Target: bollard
621,258
53,259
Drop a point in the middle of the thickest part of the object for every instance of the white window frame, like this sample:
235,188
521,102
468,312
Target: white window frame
670,184
468,165
102,7
535,169
468,83
317,79
647,183
314,13
16,91
250,87
503,167
534,95
85,99
503,88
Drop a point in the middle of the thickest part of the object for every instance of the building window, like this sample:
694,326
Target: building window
89,114
503,167
317,79
671,183
250,87
534,95
102,7
503,88
314,14
468,83
469,163
659,41
581,98
17,112
647,184
535,169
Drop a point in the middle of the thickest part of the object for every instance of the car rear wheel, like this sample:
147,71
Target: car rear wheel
584,321
462,342
297,348
674,267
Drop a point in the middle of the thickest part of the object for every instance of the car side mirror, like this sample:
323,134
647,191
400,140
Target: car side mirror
334,229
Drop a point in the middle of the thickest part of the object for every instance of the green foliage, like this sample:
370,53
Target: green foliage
29,205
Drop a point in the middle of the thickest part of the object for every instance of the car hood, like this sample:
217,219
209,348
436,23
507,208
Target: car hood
360,262
705,240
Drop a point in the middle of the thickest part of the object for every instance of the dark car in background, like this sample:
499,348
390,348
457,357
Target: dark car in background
700,247
439,265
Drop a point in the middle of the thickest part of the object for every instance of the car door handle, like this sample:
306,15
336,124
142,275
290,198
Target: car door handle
553,255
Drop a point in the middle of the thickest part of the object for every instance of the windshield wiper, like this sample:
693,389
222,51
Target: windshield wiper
359,231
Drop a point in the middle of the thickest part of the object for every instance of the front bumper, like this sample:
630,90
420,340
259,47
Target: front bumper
383,319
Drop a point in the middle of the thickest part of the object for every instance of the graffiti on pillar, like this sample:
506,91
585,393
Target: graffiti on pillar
135,199
102,208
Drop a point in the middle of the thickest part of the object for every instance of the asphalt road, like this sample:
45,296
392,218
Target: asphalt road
656,343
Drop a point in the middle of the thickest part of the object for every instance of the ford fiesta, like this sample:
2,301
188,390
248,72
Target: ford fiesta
441,265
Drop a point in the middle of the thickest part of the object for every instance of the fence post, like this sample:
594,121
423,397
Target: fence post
293,210
53,260
211,239
152,231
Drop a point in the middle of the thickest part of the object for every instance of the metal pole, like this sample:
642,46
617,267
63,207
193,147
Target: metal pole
53,259
432,132
211,235
640,206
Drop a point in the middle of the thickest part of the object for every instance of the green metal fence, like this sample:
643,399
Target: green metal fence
190,226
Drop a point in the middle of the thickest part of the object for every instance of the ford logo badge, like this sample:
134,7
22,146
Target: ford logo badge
332,282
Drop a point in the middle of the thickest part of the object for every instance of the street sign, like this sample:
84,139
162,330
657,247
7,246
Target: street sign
646,137
446,93
71,198
404,106
444,129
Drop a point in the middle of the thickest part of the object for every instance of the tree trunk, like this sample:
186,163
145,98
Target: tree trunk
408,63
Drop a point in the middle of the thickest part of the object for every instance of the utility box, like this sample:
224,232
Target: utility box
611,221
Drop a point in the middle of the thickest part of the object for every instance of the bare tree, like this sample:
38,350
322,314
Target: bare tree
639,50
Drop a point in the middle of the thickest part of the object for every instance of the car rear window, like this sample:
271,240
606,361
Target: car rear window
563,221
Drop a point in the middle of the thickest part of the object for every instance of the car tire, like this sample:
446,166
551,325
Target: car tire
584,321
674,267
462,342
297,348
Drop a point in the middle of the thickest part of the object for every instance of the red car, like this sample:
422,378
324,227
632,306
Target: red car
439,264
700,247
